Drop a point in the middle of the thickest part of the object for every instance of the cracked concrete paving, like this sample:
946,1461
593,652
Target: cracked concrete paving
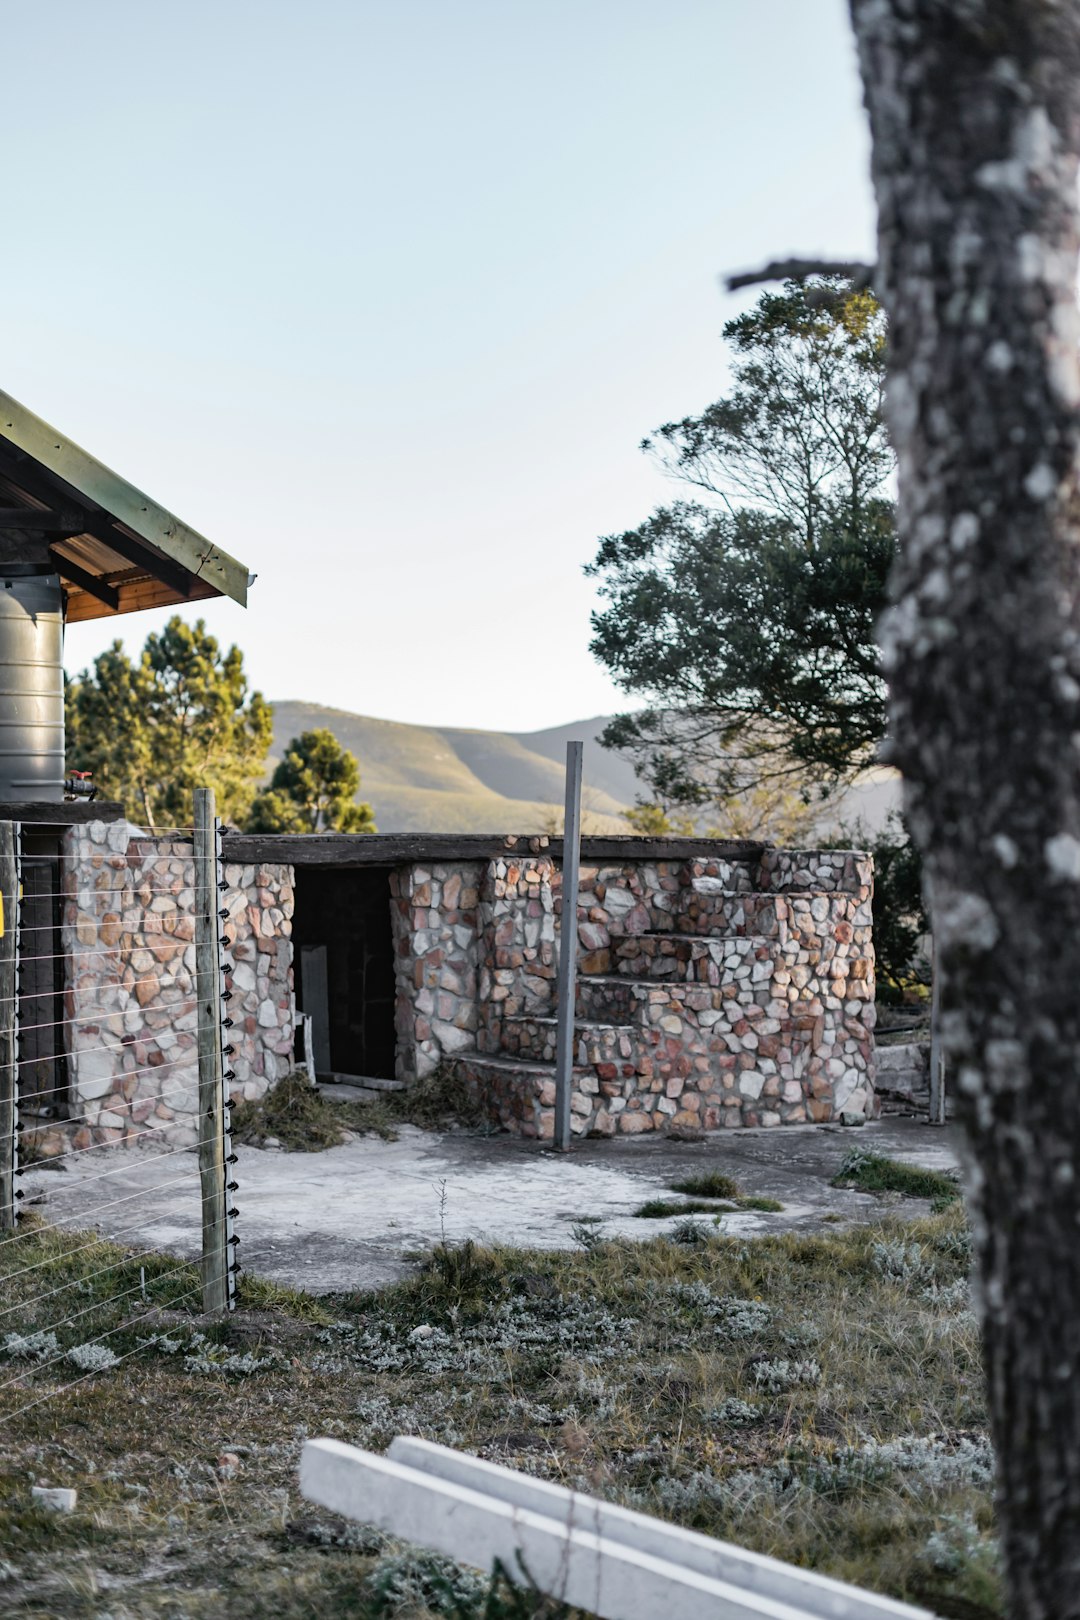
357,1216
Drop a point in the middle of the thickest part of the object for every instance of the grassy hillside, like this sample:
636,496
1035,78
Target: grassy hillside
426,779
606,773
446,779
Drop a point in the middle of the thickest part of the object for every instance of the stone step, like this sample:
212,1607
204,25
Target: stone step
356,1087
595,1042
707,911
516,1094
688,958
520,1095
606,998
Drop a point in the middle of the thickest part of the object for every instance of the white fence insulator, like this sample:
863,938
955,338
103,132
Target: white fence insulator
590,1554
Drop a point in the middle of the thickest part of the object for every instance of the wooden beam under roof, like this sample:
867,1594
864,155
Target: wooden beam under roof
37,484
38,520
135,596
92,583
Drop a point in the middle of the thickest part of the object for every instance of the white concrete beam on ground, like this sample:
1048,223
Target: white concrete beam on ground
564,1559
812,1594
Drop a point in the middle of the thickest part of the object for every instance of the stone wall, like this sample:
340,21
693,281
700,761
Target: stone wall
128,931
258,960
433,916
710,994
518,951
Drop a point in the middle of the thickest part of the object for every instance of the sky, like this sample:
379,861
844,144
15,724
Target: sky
382,295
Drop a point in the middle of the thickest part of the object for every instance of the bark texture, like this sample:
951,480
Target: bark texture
974,114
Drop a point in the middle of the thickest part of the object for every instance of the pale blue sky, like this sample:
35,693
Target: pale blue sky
382,297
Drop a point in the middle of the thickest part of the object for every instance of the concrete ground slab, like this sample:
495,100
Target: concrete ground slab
356,1216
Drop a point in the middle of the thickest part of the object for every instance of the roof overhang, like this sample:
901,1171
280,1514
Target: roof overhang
115,549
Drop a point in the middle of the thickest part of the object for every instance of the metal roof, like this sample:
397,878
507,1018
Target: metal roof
115,549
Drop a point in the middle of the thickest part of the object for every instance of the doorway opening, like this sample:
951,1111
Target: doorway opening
343,957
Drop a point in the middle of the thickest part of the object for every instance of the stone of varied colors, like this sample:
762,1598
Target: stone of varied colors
711,992
768,1020
131,1019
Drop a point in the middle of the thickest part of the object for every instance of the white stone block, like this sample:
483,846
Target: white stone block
95,1072
449,1037
118,836
55,1497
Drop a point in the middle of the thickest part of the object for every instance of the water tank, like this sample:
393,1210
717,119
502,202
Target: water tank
31,684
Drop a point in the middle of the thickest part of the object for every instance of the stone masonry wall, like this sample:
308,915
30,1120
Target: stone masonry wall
129,930
433,915
517,947
258,957
709,994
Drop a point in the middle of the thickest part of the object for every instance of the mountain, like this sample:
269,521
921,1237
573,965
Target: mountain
447,779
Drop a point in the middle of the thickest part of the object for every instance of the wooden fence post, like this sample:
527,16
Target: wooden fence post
208,989
9,1070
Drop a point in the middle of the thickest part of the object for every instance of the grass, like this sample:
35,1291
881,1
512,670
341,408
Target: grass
721,1191
709,1185
779,1394
302,1119
874,1173
658,1209
816,1397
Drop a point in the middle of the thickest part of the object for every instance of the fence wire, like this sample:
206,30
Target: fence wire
80,1271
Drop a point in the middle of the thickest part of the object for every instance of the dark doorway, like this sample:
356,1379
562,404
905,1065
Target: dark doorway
43,1076
344,963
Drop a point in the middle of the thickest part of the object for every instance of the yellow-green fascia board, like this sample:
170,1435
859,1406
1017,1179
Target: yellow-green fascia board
122,501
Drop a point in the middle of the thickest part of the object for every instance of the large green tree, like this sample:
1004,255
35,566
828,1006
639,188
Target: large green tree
313,789
745,616
178,717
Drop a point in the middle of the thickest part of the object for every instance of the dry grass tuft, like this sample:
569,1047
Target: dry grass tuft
302,1119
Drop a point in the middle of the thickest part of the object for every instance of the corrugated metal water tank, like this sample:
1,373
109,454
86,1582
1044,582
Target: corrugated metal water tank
31,686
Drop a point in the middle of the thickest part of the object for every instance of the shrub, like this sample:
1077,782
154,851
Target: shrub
92,1357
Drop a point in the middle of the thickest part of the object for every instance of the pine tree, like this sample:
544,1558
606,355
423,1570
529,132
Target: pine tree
312,790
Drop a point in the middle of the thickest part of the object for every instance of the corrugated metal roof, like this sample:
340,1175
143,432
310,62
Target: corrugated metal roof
115,548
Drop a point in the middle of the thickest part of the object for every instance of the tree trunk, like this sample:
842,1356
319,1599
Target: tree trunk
974,116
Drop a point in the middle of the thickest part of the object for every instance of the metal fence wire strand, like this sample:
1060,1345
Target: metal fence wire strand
82,960
55,1394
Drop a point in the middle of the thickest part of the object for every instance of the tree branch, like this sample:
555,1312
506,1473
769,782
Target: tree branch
860,275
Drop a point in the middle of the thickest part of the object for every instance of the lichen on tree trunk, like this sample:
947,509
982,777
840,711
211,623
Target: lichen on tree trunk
975,117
